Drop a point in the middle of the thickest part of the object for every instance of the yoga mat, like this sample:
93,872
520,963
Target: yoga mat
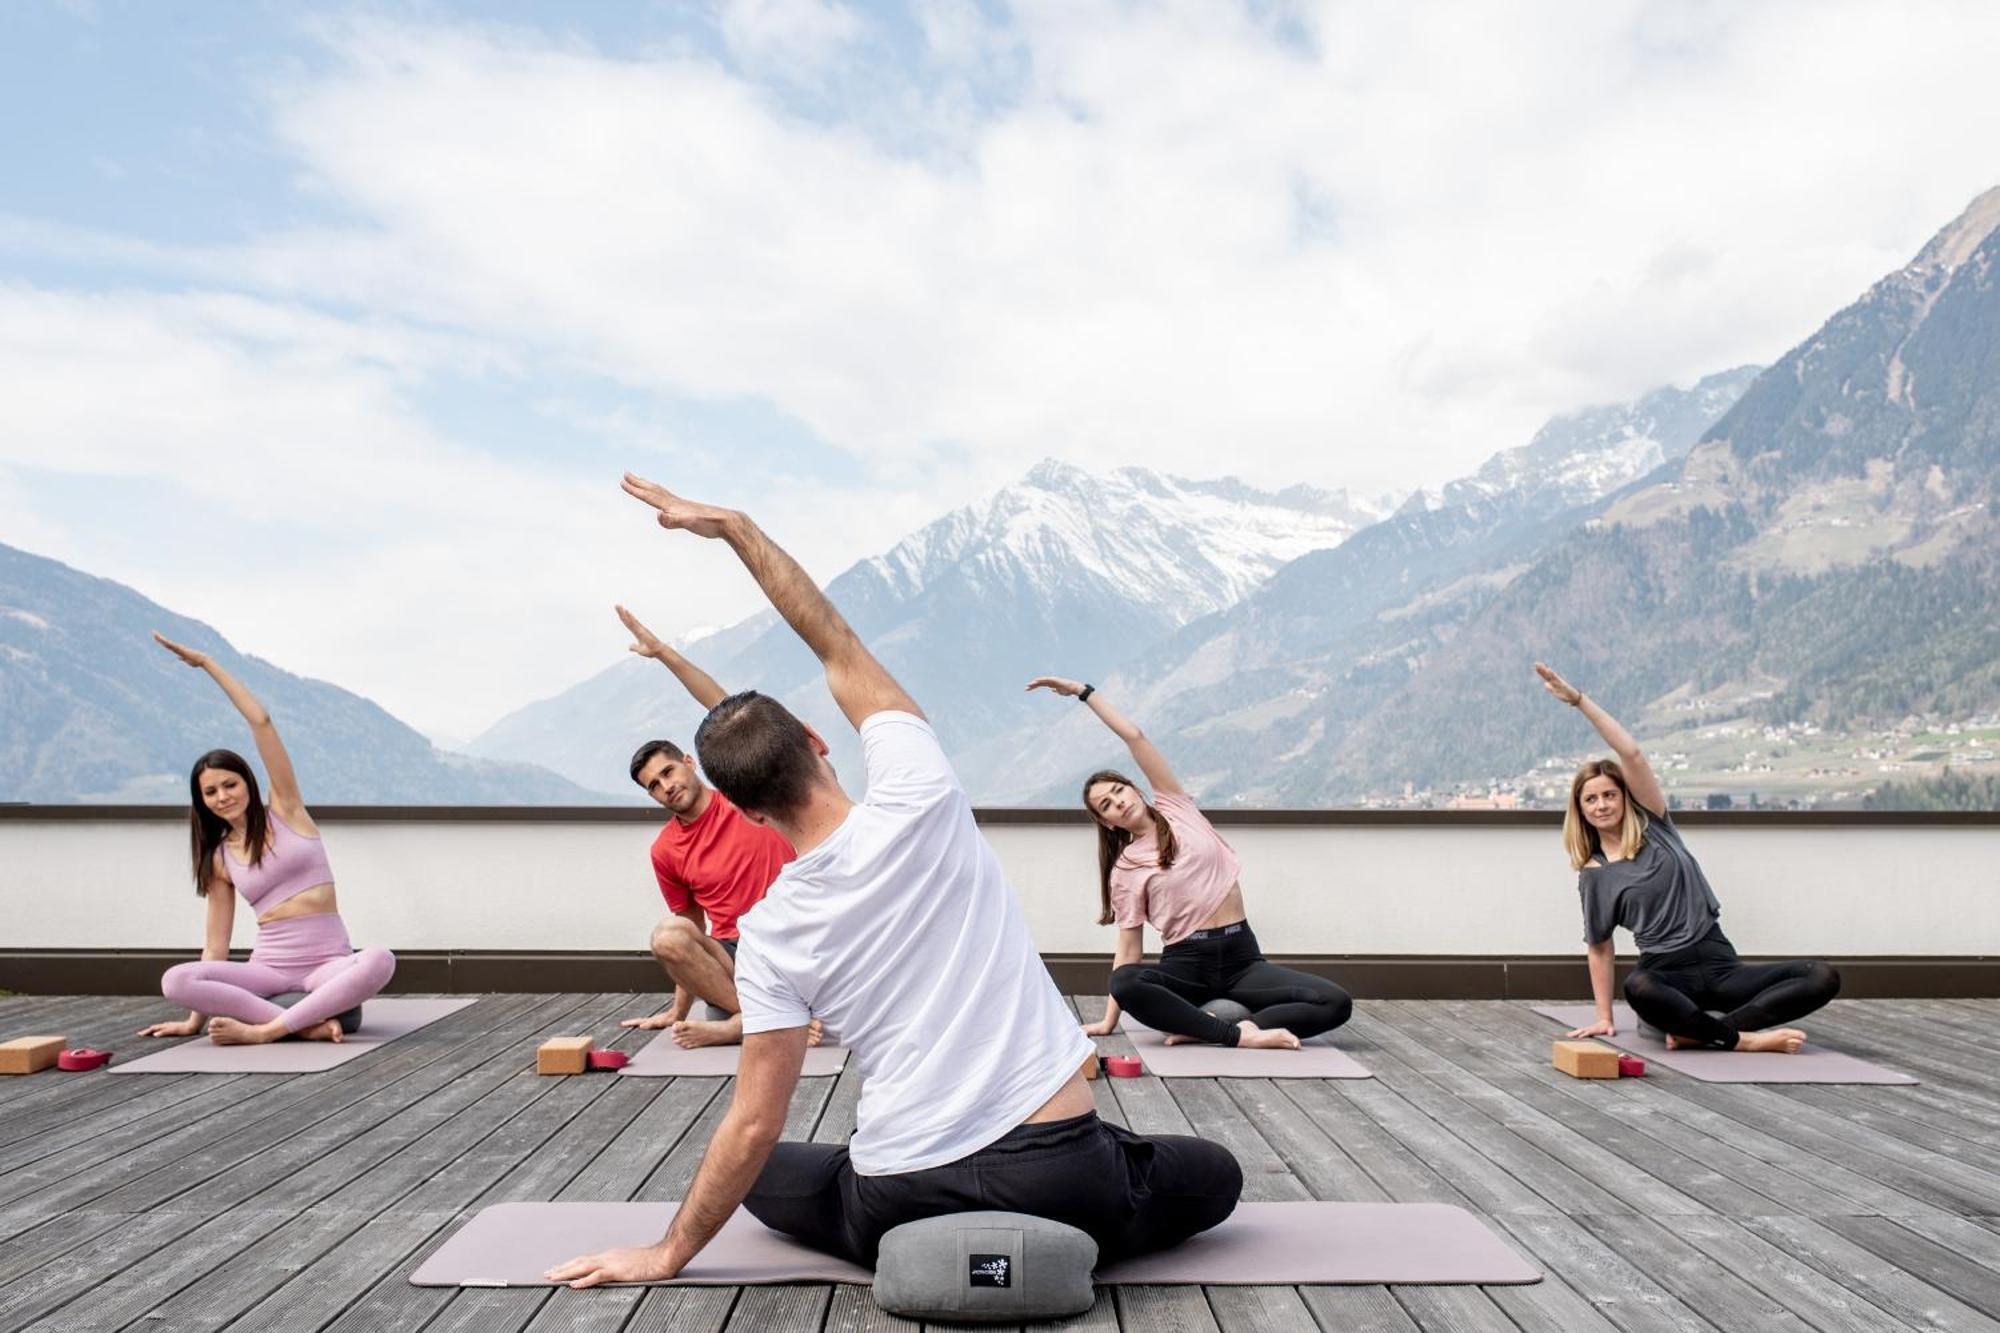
1262,1244
662,1059
383,1020
1810,1064
1317,1057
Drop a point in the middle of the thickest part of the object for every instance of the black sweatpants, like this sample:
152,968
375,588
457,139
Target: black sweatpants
1226,964
1133,1194
1675,991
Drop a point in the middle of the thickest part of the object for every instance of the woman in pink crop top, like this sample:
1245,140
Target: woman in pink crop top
272,855
1163,864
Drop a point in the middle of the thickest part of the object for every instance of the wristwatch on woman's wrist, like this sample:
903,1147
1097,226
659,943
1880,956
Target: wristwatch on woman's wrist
1083,695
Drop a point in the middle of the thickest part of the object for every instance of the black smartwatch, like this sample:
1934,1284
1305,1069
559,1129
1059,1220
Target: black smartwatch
1083,695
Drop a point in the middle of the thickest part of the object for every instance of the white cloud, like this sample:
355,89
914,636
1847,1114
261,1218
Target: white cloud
1370,258
791,38
1347,244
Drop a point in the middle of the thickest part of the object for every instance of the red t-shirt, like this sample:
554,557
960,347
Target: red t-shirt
721,861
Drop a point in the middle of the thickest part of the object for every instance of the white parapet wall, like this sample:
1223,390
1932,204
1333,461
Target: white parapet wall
1862,889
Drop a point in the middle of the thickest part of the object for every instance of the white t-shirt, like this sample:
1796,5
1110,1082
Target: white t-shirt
901,935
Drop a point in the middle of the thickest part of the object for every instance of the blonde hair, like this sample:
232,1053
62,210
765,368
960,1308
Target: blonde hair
1580,838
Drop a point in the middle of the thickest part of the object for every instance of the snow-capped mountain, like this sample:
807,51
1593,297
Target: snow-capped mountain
1063,571
1580,456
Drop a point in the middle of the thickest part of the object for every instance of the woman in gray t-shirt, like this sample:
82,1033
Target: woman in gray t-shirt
1634,871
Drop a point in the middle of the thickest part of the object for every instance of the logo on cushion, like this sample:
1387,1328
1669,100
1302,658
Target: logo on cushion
990,1270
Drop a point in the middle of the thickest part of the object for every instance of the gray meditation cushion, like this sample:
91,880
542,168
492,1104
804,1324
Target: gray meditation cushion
350,1021
1228,1011
985,1268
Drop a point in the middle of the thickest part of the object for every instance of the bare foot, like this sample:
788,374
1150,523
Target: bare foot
325,1030
1179,1039
231,1032
1674,1043
815,1032
1270,1039
1781,1041
690,1035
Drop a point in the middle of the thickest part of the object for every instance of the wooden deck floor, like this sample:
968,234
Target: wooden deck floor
208,1202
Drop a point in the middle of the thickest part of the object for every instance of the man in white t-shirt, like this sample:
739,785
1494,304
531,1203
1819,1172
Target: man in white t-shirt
896,928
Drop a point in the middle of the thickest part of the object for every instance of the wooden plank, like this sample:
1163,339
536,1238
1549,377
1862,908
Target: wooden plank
1621,1293
1683,1102
1948,1254
241,1280
1312,1154
1357,1310
1718,1291
1454,1310
264,1111
1214,1117
1799,1287
361,1284
475,1310
1261,1310
1164,1310
794,1309
108,1296
1399,1173
683,1310
1877,1279
852,1309
1720,1173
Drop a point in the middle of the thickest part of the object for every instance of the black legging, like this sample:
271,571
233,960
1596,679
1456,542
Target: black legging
1226,964
1674,992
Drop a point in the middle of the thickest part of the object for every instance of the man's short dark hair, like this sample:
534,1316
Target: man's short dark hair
758,755
644,755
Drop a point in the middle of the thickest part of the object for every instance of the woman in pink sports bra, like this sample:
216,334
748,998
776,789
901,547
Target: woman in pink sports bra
272,855
1163,864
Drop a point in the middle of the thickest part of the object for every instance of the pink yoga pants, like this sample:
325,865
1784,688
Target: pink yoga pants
308,953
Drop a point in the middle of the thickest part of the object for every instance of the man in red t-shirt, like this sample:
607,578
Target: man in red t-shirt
712,864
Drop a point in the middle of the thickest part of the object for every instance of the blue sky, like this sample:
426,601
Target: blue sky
334,324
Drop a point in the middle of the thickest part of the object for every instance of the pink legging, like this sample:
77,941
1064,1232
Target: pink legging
308,953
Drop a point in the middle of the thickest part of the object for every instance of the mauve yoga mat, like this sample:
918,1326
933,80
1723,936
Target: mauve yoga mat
382,1020
662,1059
1317,1057
1810,1064
1262,1244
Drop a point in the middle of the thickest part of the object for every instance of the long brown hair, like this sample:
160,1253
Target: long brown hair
208,831
1112,842
1580,838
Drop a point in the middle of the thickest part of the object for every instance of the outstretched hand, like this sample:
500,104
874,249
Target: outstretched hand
690,515
1068,689
644,641
644,1263
1557,686
192,656
1603,1027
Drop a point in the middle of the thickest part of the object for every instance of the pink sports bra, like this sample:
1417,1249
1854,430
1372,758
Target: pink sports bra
292,864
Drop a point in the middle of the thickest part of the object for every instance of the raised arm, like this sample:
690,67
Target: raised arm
1144,753
861,685
692,678
277,763
1639,775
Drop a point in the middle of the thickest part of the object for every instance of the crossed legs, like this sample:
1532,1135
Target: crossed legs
235,995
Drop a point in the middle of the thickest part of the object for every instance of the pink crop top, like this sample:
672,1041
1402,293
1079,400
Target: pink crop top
292,864
1177,900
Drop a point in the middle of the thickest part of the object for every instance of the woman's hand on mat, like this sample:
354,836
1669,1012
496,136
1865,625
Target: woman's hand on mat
651,1022
1559,687
675,512
644,641
1068,689
1603,1027
645,1263
1103,1027
193,657
186,1027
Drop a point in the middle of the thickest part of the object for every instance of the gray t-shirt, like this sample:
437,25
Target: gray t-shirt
1660,895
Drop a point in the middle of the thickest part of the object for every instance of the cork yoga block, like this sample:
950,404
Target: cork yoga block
1586,1059
564,1055
29,1055
1090,1065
